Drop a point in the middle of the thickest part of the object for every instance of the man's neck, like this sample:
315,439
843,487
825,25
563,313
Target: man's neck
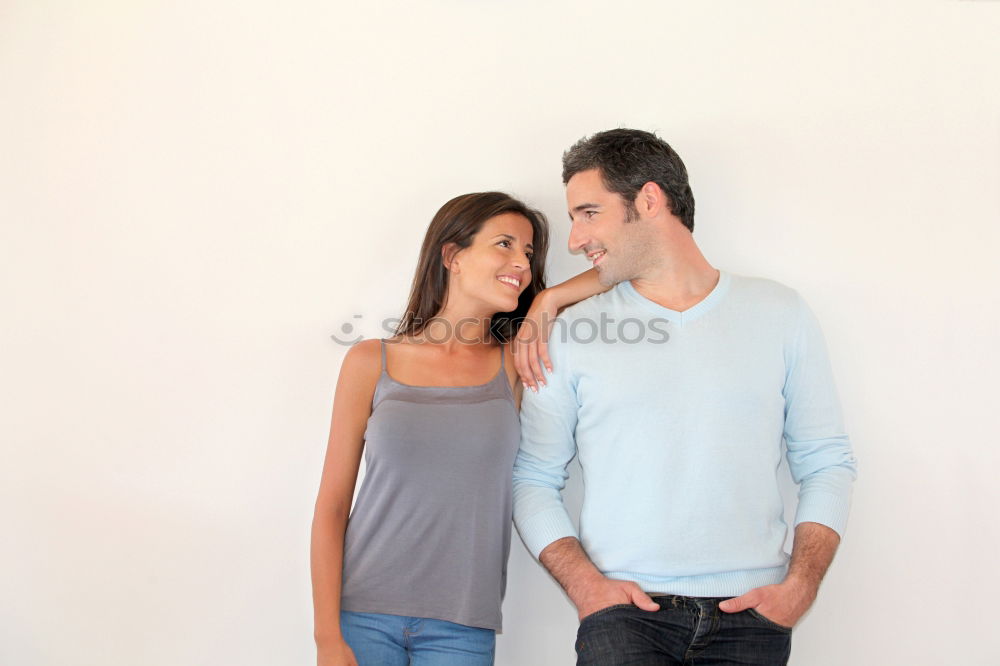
678,286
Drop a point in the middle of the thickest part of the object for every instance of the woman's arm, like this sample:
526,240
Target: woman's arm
516,387
531,343
351,409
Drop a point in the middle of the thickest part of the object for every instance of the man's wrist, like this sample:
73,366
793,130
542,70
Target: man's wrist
585,580
804,585
569,565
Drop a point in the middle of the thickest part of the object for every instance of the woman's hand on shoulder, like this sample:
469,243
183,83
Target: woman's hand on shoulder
531,349
530,346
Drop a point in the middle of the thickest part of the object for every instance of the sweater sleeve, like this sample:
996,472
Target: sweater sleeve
548,422
819,451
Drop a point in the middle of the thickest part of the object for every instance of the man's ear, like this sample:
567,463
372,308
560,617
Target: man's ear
448,253
651,199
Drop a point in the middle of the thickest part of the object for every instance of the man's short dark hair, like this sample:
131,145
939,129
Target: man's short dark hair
628,159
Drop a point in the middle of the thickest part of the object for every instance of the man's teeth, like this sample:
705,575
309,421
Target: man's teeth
597,255
510,280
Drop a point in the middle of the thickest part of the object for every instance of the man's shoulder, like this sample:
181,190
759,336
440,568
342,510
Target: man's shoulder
765,292
578,325
595,305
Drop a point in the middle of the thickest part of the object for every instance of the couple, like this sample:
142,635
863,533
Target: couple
679,558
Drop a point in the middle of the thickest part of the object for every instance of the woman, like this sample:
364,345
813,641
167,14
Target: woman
418,574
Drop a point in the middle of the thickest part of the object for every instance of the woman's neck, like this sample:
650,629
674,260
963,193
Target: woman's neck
452,328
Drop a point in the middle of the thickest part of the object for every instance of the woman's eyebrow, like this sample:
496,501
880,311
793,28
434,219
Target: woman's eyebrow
511,238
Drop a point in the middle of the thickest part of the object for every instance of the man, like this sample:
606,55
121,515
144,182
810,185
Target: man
680,555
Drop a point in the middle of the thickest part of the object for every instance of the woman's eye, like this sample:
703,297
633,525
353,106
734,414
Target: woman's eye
530,256
504,243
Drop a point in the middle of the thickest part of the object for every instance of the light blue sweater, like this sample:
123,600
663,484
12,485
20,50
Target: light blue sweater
678,419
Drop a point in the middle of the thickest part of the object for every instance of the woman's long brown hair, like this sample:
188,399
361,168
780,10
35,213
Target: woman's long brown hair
458,221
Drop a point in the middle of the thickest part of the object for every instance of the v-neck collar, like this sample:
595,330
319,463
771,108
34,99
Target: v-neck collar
674,316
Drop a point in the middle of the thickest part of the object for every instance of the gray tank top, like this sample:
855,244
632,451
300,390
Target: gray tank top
429,535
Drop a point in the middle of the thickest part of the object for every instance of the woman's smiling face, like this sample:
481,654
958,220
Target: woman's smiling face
496,267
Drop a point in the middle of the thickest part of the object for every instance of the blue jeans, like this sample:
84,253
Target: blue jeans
396,640
685,631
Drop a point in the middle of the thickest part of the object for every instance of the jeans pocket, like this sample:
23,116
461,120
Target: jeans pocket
606,609
754,613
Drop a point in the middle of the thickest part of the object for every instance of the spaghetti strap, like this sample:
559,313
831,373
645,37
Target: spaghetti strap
385,367
502,372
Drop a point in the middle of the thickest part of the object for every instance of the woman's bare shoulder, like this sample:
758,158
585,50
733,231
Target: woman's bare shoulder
363,361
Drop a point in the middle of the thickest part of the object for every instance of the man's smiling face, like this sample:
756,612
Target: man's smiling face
606,228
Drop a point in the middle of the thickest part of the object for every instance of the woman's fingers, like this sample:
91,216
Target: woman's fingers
524,352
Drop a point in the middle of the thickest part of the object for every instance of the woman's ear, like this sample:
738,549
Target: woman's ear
449,251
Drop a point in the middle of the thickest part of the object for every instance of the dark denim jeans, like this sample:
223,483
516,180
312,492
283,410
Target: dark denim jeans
685,631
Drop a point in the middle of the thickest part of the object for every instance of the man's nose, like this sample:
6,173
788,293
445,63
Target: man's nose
577,240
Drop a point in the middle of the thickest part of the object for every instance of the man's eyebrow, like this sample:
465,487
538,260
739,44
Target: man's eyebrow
583,206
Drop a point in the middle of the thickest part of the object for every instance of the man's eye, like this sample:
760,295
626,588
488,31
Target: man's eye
590,213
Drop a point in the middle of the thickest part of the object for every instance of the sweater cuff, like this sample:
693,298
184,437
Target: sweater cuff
543,528
825,509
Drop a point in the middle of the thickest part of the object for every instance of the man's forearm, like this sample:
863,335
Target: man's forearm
786,602
812,552
587,587
569,565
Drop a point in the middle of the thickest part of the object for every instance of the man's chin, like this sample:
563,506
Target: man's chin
606,277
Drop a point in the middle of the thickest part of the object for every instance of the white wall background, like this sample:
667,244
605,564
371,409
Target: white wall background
194,196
